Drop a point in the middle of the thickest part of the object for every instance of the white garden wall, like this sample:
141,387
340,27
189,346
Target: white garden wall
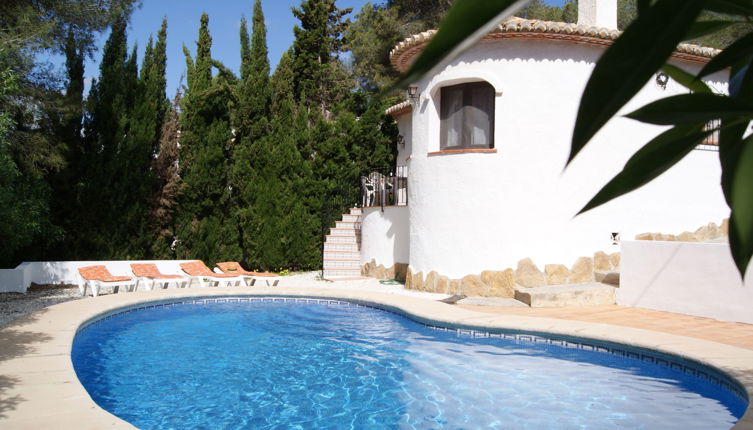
471,212
64,272
384,235
684,277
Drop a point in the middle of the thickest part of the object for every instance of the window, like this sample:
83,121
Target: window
467,116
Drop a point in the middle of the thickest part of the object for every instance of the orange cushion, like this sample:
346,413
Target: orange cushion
240,270
148,270
100,273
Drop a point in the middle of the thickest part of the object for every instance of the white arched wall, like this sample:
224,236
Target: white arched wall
471,212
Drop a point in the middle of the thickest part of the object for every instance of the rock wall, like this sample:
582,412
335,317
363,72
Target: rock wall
708,233
396,271
499,283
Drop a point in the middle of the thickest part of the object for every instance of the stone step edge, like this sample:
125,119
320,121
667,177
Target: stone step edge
584,294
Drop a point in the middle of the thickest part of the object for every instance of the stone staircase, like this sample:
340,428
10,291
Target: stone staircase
342,249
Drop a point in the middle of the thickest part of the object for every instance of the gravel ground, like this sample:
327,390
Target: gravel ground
15,305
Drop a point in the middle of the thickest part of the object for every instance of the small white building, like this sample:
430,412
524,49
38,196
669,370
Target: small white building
485,144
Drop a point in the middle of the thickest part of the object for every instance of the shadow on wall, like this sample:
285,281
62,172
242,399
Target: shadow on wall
16,343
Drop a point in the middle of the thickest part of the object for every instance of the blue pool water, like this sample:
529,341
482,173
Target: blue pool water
310,365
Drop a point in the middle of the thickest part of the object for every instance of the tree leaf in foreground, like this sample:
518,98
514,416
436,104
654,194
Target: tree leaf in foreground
730,7
686,79
741,204
631,61
691,108
740,50
467,22
658,155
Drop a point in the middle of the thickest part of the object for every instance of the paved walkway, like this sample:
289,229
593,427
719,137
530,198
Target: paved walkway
735,334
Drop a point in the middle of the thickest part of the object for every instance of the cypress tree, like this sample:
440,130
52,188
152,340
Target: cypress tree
167,184
106,127
203,224
252,121
150,105
65,184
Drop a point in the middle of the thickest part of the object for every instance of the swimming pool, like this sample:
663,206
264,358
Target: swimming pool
256,363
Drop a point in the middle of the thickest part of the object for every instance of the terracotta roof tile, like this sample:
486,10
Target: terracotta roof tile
518,28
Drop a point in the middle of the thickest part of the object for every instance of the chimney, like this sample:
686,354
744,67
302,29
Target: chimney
598,13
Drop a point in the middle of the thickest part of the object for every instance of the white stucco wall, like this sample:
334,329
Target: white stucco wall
479,211
384,235
689,278
405,127
64,272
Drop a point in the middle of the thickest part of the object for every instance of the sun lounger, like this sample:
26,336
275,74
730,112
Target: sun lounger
232,267
199,271
95,277
149,275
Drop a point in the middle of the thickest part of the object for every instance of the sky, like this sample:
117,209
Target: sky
224,26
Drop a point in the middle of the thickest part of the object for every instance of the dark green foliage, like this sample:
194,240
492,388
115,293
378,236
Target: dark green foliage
204,225
255,168
370,38
319,78
24,211
421,14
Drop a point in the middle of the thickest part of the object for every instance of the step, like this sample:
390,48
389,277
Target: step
344,231
342,239
342,255
341,247
341,264
351,218
611,277
328,273
345,278
586,294
351,225
355,211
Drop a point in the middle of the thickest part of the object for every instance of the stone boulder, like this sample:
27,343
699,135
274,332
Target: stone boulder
556,274
582,271
500,283
528,275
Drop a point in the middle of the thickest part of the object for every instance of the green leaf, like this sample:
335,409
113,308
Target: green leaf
730,7
691,108
465,23
631,61
642,6
740,50
731,134
686,79
658,155
702,28
741,203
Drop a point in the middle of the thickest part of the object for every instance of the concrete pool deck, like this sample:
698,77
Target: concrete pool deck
39,387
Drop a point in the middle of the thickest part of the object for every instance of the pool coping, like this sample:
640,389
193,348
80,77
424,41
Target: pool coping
39,387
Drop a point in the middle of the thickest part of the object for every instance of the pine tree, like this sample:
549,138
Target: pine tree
320,79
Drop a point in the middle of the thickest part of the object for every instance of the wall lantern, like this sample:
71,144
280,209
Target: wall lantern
412,91
662,79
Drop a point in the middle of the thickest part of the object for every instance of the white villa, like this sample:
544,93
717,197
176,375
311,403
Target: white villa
485,144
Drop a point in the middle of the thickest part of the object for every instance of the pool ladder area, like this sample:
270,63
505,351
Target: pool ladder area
342,248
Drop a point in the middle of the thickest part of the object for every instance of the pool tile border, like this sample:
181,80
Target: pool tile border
44,338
